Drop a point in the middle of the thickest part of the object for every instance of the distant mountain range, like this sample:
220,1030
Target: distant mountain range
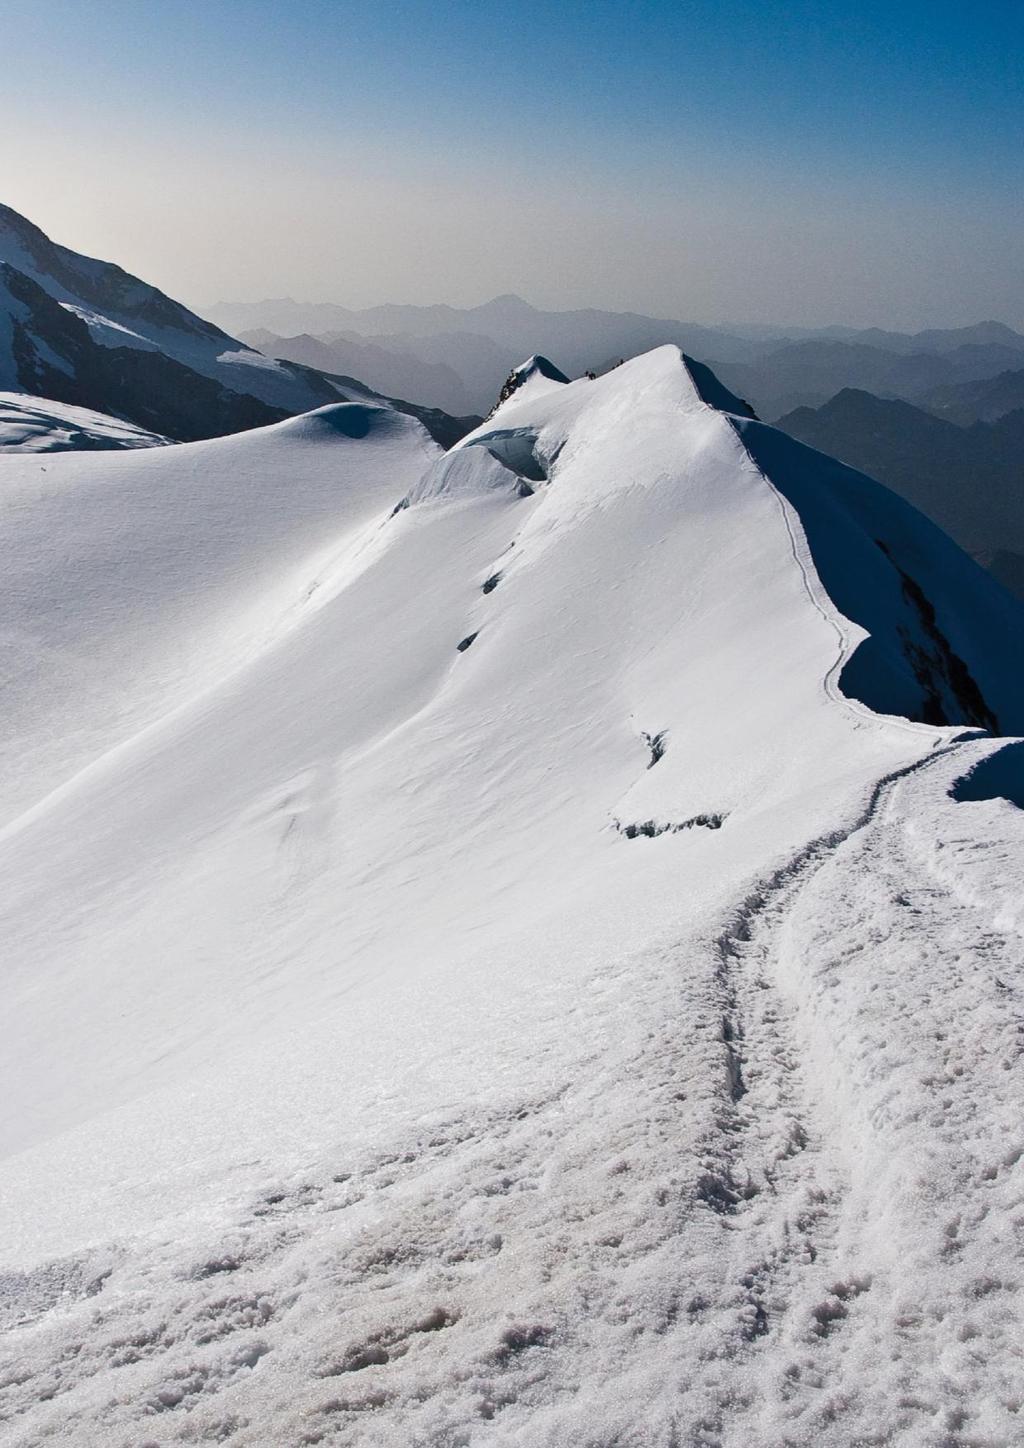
456,358
969,479
808,373
85,333
985,400
478,345
383,368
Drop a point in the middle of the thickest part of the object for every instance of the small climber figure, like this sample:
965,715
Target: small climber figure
592,376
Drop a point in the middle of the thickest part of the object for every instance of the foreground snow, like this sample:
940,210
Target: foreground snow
373,1076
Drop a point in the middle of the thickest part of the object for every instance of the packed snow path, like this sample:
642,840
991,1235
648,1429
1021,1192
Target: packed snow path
605,1034
700,1236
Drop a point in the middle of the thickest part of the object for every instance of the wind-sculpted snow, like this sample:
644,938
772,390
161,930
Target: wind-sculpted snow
35,424
472,975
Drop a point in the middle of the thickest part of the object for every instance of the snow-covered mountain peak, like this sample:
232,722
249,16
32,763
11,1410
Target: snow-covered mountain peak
534,375
88,334
547,893
90,285
538,366
877,565
689,384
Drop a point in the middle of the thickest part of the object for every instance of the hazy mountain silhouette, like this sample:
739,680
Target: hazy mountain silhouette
808,373
984,400
970,480
775,367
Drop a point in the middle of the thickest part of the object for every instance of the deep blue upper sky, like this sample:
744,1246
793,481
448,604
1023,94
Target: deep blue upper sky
807,161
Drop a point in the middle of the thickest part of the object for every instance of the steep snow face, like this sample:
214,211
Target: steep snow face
943,637
530,379
439,917
36,424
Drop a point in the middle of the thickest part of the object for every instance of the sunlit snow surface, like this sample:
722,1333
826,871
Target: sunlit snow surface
364,1080
37,424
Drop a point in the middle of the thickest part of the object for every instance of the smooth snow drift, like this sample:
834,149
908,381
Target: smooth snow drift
477,970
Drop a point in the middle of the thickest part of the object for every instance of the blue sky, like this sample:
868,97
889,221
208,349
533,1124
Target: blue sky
806,162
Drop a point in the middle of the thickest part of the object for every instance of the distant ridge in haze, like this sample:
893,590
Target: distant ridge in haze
970,480
775,367
84,333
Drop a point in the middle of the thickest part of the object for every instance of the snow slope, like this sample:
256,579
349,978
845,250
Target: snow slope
36,424
477,969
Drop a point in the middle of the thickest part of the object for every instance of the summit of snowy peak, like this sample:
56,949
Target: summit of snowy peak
664,377
925,632
540,367
534,370
670,364
715,393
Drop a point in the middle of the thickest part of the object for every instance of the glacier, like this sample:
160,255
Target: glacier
497,946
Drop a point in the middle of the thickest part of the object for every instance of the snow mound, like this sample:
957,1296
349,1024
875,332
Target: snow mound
350,420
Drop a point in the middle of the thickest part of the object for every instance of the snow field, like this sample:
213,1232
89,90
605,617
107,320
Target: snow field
370,1082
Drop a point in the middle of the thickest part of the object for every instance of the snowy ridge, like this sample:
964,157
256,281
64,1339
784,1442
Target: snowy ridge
376,1076
35,424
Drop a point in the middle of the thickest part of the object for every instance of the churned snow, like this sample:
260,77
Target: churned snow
373,1074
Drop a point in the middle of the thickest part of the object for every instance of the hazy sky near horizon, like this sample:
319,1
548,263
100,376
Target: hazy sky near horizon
702,159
